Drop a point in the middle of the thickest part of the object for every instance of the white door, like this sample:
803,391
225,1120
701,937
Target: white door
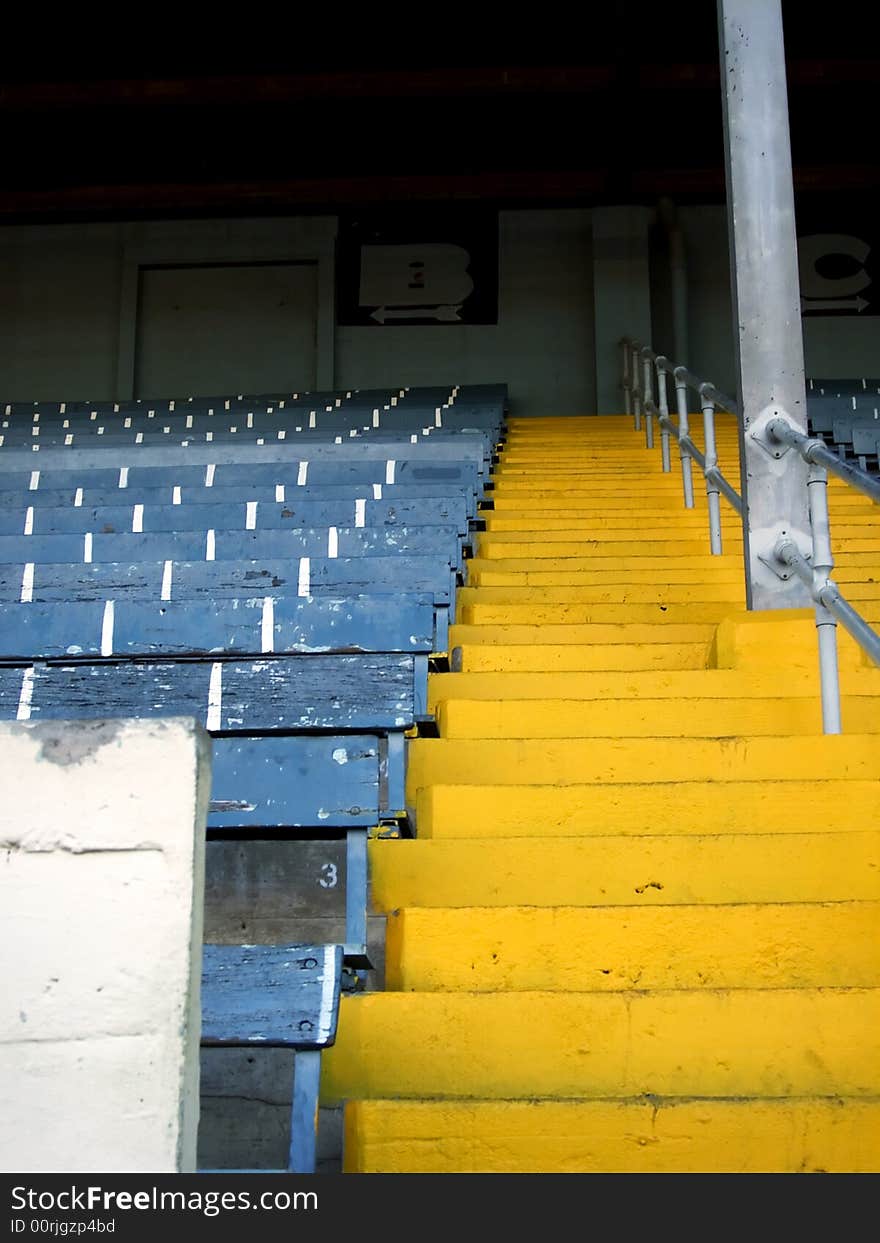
216,329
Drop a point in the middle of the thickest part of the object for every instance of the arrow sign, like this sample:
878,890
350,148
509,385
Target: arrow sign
444,314
833,304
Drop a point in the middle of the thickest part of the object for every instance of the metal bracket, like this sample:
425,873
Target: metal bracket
758,430
781,570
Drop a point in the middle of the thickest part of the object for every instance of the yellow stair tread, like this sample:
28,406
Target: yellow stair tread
638,1136
765,1042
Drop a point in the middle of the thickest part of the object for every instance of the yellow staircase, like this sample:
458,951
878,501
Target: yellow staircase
637,930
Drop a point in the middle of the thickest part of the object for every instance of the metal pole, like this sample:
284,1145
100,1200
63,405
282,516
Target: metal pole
636,386
712,489
766,293
648,391
663,403
822,563
687,475
627,397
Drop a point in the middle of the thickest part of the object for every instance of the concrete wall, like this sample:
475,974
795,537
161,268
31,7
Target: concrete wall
69,308
101,895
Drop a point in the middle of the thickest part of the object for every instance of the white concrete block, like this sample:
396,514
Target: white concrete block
102,835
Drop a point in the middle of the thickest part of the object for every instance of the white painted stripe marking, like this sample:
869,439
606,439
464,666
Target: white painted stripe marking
282,434
209,436
375,418
123,477
267,625
209,545
312,420
260,440
29,520
360,512
302,474
139,438
394,401
25,695
413,440
35,481
62,409
325,1017
170,406
36,419
68,439
279,491
27,583
215,696
189,420
332,542
304,576
107,629
87,548
126,422
175,494
166,580
137,520
438,418
250,522
66,423
35,431
377,491
209,476
78,498
250,420
389,471
337,440
100,431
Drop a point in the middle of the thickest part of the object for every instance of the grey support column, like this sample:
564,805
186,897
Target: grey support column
766,294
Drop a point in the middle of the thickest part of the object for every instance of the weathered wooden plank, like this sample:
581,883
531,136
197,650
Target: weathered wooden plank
154,468
245,626
300,781
365,692
220,545
241,514
272,995
194,580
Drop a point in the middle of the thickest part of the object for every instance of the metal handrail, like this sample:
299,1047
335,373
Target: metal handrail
814,569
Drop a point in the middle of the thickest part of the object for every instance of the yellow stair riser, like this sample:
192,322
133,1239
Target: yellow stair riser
542,612
648,718
746,1042
721,583
625,1137
550,552
686,808
665,870
591,557
572,526
534,658
610,761
620,948
658,632
718,685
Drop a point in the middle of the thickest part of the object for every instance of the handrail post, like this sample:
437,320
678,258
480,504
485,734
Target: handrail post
648,390
627,396
687,476
663,405
712,489
822,563
636,386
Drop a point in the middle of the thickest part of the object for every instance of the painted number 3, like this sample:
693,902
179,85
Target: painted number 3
329,876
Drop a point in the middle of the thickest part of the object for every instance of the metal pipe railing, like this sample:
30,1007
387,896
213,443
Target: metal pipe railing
814,569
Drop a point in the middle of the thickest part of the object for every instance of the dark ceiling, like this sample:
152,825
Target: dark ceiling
623,107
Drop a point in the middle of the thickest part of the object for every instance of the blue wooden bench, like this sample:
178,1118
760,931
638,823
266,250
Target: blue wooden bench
277,996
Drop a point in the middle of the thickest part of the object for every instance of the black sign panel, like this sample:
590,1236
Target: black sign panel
438,268
839,264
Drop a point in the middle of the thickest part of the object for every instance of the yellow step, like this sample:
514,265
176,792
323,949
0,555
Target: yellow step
584,571
602,949
659,631
639,717
550,552
606,587
656,1136
667,870
513,610
537,657
570,524
708,1043
648,761
715,684
448,810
